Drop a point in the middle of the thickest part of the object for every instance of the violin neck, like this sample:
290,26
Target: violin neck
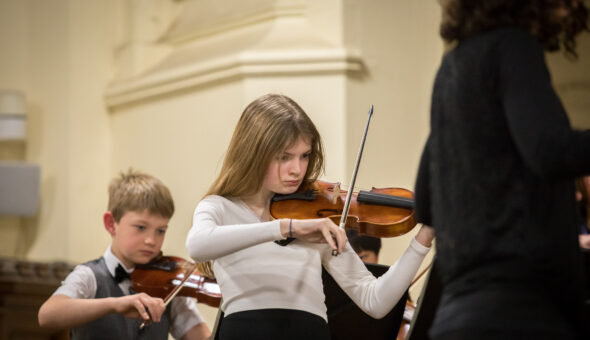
383,199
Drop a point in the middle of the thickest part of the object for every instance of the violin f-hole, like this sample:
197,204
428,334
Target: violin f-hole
327,212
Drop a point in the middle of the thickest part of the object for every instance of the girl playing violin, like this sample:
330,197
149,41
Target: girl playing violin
272,291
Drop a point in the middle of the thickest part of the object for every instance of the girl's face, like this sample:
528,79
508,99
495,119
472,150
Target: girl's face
286,171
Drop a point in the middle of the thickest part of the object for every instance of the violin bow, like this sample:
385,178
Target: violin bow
344,215
421,273
173,293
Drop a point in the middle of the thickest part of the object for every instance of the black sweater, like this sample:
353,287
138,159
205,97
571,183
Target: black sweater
496,175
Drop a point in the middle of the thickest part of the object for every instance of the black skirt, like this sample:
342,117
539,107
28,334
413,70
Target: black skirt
273,324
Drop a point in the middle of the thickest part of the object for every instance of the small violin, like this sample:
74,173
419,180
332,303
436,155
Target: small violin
168,276
385,212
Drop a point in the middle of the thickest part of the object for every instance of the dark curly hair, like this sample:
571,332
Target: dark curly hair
464,18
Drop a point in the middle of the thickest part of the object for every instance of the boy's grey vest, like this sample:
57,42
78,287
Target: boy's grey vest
116,326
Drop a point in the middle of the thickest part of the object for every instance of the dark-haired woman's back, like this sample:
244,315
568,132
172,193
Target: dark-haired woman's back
490,187
496,183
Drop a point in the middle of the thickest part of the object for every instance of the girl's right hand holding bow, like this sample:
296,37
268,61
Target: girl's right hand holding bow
318,230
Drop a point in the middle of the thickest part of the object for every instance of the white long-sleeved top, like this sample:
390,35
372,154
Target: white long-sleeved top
253,272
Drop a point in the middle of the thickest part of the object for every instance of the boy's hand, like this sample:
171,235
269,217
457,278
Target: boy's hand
61,311
140,306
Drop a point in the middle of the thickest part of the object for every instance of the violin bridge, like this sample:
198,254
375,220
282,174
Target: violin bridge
335,193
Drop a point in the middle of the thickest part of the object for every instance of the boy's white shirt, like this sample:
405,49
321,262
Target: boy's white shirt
81,284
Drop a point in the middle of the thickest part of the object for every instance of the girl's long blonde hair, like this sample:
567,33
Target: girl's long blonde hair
268,126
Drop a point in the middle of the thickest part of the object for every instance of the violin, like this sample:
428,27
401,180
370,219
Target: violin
404,328
168,276
384,212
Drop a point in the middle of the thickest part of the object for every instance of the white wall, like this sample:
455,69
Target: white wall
56,53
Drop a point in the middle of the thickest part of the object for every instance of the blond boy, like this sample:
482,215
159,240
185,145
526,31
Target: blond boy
96,300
